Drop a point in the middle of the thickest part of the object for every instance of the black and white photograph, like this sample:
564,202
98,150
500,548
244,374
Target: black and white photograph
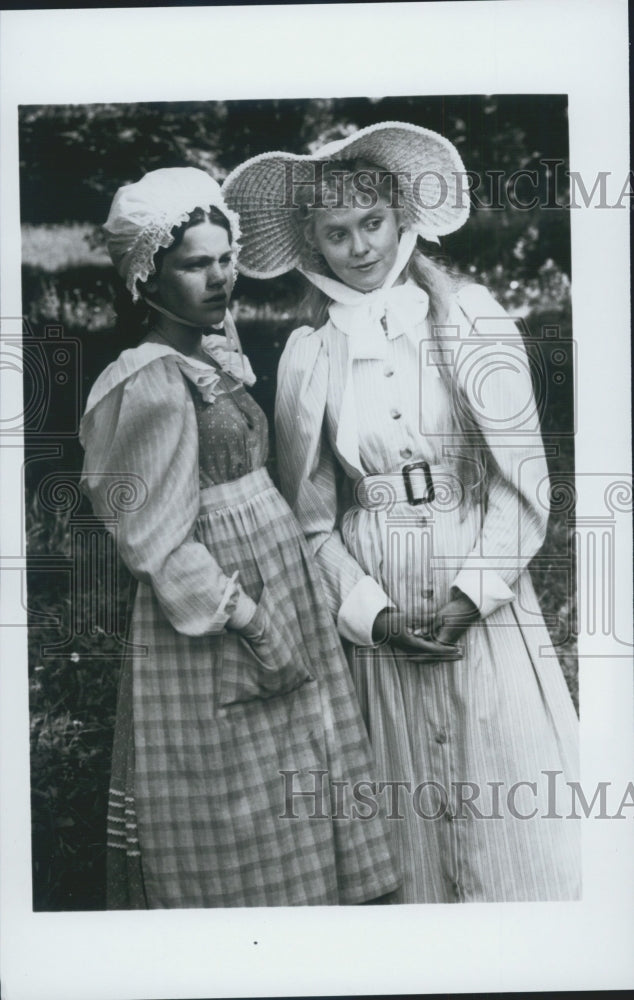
233,641
317,552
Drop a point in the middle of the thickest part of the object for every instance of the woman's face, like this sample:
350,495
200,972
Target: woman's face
196,277
358,244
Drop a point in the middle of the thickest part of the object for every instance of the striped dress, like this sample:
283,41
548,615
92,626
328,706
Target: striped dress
470,753
237,723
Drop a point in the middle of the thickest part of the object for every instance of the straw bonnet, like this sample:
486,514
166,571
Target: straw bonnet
143,215
262,190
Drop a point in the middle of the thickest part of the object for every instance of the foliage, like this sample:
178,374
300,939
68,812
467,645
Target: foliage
73,691
73,157
554,569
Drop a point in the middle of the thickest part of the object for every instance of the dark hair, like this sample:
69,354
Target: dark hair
133,318
211,214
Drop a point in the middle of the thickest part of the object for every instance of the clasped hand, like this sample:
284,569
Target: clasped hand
439,642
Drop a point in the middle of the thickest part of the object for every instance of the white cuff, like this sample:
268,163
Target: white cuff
243,612
360,608
486,588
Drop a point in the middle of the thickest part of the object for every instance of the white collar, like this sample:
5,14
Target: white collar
204,376
358,315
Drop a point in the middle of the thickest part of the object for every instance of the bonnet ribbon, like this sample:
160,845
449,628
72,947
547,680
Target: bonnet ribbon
359,315
218,346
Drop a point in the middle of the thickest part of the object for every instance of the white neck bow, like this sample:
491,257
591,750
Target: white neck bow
359,315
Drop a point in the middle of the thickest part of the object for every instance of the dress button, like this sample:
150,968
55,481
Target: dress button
405,453
388,372
395,414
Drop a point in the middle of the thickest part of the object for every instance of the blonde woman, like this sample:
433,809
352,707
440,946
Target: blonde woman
409,449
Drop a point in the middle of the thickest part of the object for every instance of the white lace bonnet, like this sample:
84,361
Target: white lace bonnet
143,215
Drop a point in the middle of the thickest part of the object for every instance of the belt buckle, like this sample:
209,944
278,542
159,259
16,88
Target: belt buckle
406,470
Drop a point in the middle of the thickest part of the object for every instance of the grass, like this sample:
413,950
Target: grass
73,685
55,248
73,677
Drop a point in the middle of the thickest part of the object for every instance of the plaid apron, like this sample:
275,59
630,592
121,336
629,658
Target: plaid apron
224,786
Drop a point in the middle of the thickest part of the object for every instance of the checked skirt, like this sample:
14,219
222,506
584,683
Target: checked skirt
210,760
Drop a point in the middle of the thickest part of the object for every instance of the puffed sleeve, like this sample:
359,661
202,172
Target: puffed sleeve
493,373
141,475
307,469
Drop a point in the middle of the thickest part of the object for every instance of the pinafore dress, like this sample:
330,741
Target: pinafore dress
226,752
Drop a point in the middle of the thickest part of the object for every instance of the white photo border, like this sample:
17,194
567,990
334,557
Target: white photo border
572,47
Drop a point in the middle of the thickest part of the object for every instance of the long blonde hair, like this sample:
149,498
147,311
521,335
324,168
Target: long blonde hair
437,278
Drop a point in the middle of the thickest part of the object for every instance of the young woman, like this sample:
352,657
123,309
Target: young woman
410,451
237,724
